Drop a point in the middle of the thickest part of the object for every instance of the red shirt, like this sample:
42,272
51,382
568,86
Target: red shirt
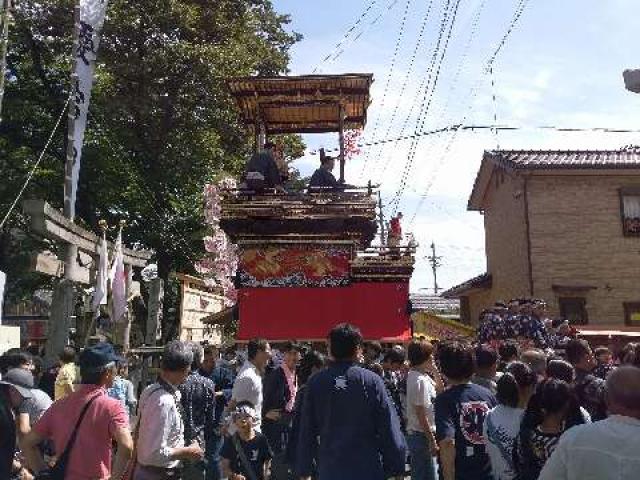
396,229
90,457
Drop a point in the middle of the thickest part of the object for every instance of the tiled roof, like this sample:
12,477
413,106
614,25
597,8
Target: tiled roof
566,159
483,281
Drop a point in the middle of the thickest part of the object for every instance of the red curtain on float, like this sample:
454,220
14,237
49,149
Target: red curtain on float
378,309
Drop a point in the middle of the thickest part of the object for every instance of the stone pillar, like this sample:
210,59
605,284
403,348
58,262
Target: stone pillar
154,315
128,317
62,309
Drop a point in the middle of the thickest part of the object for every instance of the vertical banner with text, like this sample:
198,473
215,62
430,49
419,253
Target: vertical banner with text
89,22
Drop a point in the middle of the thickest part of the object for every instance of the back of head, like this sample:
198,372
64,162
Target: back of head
68,355
344,341
456,360
630,354
198,355
486,357
210,350
561,370
516,378
15,358
576,350
393,356
176,356
623,391
554,396
536,359
418,352
254,346
374,347
509,351
292,346
312,360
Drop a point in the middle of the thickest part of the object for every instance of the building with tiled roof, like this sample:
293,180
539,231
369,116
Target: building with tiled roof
563,226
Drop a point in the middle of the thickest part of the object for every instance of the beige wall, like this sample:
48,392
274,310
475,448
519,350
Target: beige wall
506,240
479,301
576,239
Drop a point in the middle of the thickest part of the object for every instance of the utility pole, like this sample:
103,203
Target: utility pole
434,260
383,237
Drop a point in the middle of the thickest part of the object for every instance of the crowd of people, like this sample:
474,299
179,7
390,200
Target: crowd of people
524,319
343,410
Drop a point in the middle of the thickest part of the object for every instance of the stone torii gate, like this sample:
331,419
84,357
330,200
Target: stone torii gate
51,223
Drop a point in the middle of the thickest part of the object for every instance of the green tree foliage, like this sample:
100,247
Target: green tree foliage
161,122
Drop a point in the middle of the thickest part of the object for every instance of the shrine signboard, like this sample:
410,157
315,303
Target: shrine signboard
199,302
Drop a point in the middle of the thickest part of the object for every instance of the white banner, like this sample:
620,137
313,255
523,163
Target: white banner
119,283
102,277
3,280
92,13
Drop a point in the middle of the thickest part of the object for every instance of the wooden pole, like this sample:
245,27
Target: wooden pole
63,302
341,133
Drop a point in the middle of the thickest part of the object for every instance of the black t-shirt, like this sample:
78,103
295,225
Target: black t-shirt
460,412
257,451
7,437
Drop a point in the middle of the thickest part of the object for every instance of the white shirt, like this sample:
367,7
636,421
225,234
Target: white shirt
248,387
160,427
421,392
605,450
501,427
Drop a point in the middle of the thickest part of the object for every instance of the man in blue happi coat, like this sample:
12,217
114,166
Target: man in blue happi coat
349,429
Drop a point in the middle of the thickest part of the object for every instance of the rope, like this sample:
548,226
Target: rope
35,166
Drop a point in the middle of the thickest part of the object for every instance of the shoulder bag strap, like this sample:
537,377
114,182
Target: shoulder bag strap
61,463
246,465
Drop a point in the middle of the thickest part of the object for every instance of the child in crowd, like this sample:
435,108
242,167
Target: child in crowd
246,454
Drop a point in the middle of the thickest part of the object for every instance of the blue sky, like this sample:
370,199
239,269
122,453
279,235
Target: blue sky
561,66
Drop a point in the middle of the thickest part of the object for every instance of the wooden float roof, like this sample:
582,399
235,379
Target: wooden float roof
303,104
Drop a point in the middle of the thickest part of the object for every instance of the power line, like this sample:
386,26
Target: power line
425,108
489,68
394,59
346,35
405,83
460,127
340,47
516,18
424,85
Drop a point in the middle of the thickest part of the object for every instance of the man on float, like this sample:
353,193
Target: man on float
262,170
322,179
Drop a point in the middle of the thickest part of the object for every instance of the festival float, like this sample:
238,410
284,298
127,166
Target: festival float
305,261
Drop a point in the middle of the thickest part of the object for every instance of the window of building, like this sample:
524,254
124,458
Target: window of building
630,206
574,309
632,314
